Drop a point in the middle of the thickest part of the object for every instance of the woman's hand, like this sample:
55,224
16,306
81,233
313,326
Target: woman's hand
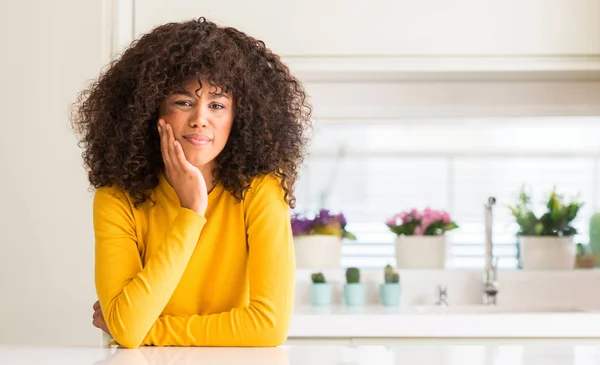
186,179
98,318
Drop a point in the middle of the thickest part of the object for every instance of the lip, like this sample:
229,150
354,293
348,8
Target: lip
198,140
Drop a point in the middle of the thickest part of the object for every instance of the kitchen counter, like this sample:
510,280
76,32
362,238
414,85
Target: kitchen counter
339,321
320,353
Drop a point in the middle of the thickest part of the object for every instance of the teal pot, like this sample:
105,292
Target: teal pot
390,294
321,293
354,294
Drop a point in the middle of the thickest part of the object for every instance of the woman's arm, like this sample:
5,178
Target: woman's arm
271,263
132,296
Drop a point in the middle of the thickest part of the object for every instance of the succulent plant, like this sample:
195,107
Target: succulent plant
318,278
390,275
352,275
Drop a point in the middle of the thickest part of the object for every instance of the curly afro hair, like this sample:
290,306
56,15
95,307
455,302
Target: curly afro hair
116,115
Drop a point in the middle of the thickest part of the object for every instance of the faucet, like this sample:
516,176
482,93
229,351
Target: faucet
490,284
442,296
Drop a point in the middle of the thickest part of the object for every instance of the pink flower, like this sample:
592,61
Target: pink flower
419,230
446,217
415,214
392,221
419,222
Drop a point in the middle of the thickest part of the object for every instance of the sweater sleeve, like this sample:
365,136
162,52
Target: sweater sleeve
265,320
131,295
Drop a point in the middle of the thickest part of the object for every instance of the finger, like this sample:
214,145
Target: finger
180,156
99,321
171,147
103,325
97,305
97,313
164,143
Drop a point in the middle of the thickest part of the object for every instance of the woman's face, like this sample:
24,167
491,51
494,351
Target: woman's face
201,116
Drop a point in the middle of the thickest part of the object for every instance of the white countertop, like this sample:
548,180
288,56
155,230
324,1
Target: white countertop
451,322
393,353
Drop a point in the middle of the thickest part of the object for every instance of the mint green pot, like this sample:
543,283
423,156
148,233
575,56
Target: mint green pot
390,294
321,293
354,294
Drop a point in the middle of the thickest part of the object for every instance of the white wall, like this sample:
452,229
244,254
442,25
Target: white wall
49,49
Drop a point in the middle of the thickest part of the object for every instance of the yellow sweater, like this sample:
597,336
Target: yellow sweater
167,276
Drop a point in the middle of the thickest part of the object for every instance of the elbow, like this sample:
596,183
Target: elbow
126,331
126,335
128,340
275,328
276,340
273,336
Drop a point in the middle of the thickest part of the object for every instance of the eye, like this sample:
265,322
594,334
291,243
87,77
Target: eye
216,106
183,103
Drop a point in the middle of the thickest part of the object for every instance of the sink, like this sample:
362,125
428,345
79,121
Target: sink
498,309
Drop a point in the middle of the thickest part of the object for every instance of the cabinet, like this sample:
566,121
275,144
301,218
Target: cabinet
342,39
399,27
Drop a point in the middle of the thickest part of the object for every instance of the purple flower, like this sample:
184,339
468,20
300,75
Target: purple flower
301,226
324,222
340,217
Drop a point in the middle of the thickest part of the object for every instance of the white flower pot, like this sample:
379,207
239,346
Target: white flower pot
547,253
318,251
421,252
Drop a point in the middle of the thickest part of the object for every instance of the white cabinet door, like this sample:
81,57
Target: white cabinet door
318,28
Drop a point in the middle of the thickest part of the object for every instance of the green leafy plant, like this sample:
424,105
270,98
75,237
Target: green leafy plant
352,275
390,276
555,221
318,278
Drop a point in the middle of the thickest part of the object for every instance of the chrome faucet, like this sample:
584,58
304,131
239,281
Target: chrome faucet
490,284
442,296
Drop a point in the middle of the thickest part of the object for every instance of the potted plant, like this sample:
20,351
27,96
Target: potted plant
585,258
318,239
354,290
546,242
390,289
594,230
420,238
320,290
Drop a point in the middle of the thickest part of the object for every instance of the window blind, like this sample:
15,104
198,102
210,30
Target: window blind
372,170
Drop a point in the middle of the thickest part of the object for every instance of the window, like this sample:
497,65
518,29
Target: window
371,170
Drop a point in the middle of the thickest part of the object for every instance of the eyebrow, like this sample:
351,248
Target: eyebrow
218,95
184,92
191,95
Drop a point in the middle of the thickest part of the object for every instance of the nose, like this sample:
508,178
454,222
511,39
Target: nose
198,118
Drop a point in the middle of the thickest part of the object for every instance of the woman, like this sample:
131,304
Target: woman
193,140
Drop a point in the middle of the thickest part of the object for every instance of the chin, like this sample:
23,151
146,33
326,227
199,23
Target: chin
199,161
196,158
